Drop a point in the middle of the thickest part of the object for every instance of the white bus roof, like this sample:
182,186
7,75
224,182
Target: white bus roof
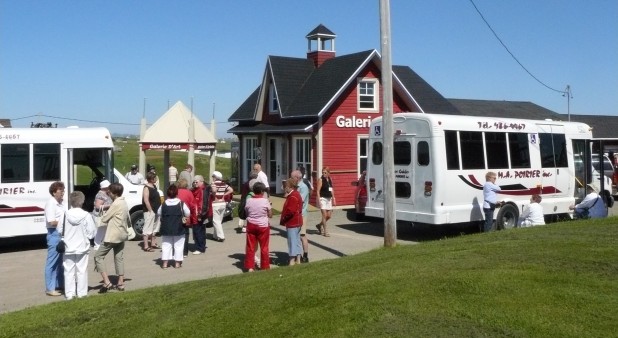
76,137
484,123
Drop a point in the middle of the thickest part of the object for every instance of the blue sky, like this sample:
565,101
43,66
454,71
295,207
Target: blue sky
97,60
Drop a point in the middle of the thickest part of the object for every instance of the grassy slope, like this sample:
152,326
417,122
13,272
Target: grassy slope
552,281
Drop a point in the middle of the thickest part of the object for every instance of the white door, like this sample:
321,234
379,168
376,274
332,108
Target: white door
277,163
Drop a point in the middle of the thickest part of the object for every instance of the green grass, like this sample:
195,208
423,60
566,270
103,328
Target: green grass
129,155
558,280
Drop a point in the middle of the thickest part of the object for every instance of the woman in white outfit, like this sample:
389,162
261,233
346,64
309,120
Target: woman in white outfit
172,230
77,229
533,213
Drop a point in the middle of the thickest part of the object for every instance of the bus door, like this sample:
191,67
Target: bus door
555,178
404,153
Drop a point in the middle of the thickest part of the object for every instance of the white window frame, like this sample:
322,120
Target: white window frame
303,156
362,93
249,156
273,101
359,140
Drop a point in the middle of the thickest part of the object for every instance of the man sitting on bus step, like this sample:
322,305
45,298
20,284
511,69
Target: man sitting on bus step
592,206
533,213
134,176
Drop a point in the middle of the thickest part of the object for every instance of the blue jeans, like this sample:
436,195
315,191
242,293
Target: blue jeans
489,219
54,274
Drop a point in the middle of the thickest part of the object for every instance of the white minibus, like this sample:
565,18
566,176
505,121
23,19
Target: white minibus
440,162
32,158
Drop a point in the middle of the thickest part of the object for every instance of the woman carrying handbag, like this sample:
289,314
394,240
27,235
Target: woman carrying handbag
117,233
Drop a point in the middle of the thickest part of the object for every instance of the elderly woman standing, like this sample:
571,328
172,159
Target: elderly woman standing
259,211
54,211
220,192
77,229
117,218
102,201
186,196
172,230
151,202
292,219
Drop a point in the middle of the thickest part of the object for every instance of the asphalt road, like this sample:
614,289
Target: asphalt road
22,263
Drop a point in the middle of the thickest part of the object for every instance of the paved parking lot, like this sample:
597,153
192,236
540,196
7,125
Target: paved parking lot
22,264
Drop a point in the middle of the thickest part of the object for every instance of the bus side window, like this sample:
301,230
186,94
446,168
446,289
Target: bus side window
472,150
15,163
46,162
452,150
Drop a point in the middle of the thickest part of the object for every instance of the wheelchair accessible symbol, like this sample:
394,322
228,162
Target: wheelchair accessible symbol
377,131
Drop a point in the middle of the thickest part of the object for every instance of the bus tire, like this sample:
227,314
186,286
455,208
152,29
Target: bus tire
508,217
137,220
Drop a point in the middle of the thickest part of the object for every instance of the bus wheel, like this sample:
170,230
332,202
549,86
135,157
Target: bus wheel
508,216
137,219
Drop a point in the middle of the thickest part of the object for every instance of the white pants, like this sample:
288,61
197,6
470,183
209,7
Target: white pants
175,244
75,275
218,209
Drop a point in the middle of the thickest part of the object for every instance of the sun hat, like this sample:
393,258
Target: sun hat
104,184
593,186
217,175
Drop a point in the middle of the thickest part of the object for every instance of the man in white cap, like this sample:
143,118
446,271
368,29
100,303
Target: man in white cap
220,191
134,176
592,206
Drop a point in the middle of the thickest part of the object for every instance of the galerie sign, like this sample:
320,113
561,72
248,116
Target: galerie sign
352,122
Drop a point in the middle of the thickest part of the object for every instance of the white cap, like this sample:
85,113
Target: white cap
104,184
217,175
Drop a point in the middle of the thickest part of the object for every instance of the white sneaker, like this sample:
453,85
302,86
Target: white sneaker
244,229
196,252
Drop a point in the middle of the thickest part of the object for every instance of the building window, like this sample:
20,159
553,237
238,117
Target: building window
302,154
368,95
273,102
251,155
363,152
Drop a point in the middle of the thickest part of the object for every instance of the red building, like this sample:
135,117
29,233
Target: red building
315,112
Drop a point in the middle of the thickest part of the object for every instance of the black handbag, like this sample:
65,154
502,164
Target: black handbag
61,246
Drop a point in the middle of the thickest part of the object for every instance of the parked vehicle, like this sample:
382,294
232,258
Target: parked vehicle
440,163
608,170
360,196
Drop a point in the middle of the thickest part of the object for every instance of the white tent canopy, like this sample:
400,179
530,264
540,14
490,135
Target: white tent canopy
177,129
174,127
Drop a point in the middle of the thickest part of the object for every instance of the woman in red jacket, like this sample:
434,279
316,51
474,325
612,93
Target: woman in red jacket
292,219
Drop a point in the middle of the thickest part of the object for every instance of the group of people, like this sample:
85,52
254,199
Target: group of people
190,203
258,210
68,271
592,206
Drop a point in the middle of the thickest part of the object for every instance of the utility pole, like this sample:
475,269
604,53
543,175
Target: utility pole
390,221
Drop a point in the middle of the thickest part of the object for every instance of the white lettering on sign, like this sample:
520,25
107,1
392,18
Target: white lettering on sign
352,122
